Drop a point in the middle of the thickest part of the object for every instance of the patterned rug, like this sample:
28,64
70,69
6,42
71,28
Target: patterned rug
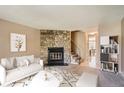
69,78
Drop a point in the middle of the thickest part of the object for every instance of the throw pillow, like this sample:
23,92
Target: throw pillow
22,58
30,58
8,63
27,62
20,61
14,63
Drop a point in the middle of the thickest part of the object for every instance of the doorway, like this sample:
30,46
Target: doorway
92,49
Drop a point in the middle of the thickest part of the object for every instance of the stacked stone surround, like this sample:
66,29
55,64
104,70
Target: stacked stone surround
55,38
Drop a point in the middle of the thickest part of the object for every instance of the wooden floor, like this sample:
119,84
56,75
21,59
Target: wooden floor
105,79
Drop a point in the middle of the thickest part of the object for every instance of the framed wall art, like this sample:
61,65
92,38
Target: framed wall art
18,42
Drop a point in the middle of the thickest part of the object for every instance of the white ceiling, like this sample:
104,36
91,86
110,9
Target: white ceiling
71,17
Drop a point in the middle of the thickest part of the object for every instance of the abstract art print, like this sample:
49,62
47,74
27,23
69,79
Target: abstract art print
18,42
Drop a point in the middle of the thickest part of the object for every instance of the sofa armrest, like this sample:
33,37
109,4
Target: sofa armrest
41,62
2,75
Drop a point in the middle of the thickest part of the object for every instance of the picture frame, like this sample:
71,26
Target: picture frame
18,42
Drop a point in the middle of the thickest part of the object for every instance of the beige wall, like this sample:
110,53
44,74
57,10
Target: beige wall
32,39
113,29
78,43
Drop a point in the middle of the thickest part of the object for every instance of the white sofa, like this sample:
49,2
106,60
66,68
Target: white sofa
16,68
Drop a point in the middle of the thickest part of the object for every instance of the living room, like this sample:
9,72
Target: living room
49,41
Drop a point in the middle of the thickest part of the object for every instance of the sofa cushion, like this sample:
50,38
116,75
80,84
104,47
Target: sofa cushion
8,63
21,72
21,60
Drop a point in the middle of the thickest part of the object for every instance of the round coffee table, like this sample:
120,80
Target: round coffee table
51,81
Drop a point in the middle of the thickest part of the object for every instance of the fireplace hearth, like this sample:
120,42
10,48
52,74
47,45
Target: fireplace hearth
56,56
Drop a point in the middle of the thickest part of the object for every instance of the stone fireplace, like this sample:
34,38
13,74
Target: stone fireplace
56,56
55,39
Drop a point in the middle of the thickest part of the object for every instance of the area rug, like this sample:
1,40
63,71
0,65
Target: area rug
69,78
